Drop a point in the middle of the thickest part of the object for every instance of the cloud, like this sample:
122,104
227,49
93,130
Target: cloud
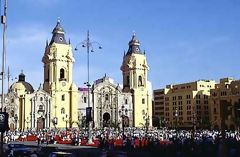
25,48
28,34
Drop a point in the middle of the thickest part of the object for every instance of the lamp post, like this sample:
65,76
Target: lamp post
123,112
89,45
3,21
194,123
146,119
55,121
27,121
80,120
15,120
65,120
176,119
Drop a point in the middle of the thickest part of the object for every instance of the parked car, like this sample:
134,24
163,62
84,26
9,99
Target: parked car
61,154
19,150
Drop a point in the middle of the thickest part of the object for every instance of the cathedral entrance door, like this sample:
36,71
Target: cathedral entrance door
106,119
40,123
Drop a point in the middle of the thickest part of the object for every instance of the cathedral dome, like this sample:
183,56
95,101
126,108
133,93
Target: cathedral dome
21,86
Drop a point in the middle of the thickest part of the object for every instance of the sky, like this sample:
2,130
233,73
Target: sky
184,40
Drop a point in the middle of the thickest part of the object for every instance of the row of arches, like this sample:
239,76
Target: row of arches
61,76
107,122
40,124
140,81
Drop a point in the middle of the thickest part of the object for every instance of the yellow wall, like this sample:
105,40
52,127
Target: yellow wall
184,99
58,56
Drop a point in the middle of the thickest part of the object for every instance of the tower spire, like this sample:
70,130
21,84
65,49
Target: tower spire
134,45
58,20
134,33
58,34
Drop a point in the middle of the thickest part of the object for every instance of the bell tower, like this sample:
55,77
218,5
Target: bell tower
58,82
135,80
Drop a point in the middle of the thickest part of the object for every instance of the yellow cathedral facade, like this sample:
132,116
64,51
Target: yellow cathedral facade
58,78
55,103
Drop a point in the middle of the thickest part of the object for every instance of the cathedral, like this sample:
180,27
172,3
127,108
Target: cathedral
111,106
59,103
130,105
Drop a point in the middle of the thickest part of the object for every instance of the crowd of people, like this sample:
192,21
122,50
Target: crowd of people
162,140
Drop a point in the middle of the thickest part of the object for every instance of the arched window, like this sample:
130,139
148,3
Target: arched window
85,99
106,97
63,111
62,73
140,82
143,101
63,97
41,107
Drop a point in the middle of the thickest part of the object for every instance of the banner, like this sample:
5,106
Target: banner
88,114
3,121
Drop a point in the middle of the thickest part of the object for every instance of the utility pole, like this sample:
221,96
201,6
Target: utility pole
3,21
89,45
8,76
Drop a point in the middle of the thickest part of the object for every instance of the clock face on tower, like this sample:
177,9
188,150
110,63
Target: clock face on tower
6,100
60,38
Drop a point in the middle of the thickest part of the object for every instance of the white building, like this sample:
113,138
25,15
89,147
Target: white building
109,104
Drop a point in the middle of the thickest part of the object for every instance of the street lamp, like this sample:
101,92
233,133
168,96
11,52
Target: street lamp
146,119
15,119
80,120
65,120
27,121
55,121
194,123
123,113
89,45
176,122
176,119
3,21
